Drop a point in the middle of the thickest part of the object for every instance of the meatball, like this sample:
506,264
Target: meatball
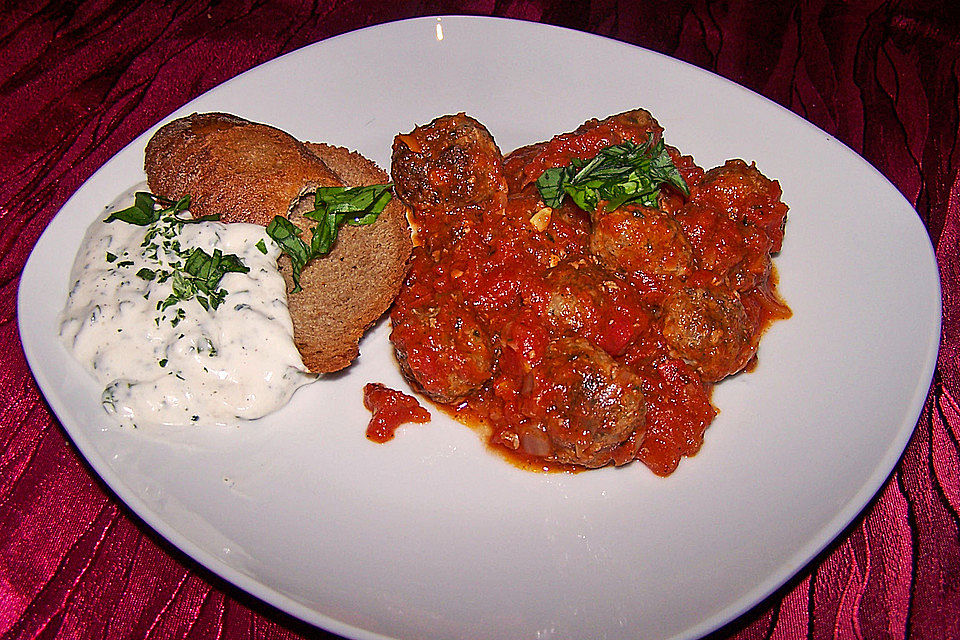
443,348
588,409
734,252
451,162
708,327
575,294
636,125
583,297
639,240
747,196
585,142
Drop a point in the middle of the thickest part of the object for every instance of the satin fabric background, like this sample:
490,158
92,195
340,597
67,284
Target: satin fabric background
79,80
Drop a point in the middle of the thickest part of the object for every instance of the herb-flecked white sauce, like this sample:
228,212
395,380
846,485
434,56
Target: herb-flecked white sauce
194,366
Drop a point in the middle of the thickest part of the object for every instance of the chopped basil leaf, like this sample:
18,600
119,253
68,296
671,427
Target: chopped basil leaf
208,269
183,287
143,212
111,256
618,175
287,235
211,217
333,208
262,247
193,274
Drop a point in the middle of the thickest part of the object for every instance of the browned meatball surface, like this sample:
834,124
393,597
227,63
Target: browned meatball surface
640,240
443,349
708,327
451,162
585,298
747,196
589,407
576,294
736,253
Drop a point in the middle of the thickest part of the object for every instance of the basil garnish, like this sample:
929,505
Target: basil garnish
333,208
620,174
193,274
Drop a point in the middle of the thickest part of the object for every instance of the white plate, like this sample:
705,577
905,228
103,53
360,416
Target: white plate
432,536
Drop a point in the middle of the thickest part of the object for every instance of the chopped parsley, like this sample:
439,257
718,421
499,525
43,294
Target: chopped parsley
193,273
333,208
618,175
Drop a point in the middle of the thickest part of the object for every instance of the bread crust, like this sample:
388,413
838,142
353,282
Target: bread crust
244,171
250,172
347,291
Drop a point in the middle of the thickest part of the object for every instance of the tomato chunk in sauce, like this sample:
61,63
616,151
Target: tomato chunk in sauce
575,337
390,409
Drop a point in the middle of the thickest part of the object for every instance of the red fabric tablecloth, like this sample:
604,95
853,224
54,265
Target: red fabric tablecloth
79,80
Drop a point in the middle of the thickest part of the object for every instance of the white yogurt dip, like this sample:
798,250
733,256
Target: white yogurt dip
182,362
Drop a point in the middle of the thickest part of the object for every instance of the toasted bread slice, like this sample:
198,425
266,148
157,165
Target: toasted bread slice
244,171
349,289
249,172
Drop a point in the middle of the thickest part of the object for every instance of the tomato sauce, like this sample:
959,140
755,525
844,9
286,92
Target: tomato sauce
580,339
390,409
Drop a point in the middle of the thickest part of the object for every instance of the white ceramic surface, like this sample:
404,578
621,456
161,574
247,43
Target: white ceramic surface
431,536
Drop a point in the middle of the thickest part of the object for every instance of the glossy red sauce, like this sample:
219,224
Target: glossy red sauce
501,285
390,409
